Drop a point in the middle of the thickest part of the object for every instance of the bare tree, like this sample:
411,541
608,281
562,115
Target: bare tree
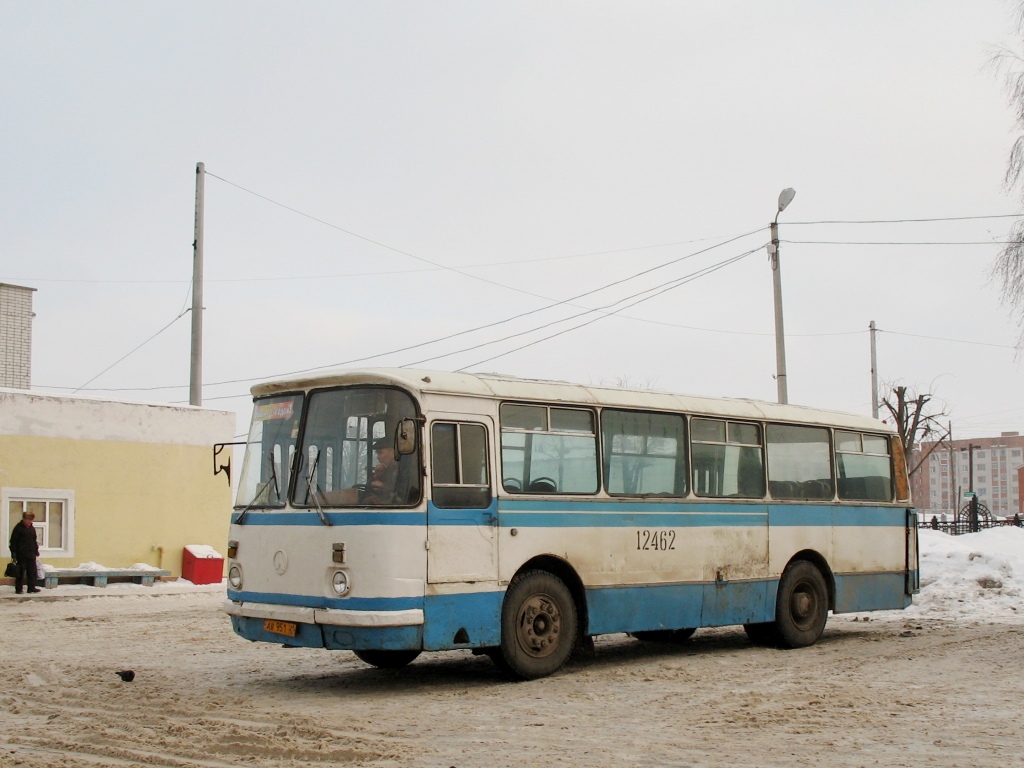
916,419
1008,270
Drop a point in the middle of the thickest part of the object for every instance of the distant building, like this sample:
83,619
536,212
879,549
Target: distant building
16,336
945,474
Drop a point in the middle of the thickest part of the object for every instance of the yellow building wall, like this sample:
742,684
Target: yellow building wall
141,475
134,502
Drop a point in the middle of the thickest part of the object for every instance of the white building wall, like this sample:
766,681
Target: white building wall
16,336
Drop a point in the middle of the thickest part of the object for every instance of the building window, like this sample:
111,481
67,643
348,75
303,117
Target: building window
55,519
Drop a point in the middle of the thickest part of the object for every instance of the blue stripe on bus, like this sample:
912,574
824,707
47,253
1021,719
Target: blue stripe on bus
603,514
319,601
357,517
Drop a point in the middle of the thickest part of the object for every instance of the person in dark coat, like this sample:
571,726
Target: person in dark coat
24,551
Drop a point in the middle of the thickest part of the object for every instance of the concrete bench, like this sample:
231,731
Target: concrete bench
100,578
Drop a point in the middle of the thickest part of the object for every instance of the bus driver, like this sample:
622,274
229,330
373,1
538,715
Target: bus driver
380,489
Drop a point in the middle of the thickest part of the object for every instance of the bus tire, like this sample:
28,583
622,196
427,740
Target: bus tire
386,659
801,608
538,625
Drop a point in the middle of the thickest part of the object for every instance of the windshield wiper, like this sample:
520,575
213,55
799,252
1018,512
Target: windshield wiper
310,480
261,489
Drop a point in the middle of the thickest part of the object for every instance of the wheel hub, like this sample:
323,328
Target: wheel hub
538,626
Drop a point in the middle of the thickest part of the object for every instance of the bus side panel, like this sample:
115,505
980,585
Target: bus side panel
636,609
870,592
727,603
464,620
798,528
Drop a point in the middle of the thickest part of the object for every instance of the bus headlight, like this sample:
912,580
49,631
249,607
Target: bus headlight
235,576
340,583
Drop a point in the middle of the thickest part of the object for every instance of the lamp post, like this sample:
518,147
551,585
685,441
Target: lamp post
785,198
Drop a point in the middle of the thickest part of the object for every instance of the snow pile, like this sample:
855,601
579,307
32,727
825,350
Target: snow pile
976,576
203,551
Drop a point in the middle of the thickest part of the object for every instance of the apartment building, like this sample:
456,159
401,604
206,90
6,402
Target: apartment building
993,467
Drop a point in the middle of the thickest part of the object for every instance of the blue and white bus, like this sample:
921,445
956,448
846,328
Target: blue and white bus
521,518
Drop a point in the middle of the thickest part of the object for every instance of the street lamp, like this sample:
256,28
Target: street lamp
785,198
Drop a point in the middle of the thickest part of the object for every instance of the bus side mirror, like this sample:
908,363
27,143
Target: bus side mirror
405,437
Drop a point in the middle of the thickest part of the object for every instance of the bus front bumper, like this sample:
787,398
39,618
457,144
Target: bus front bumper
327,627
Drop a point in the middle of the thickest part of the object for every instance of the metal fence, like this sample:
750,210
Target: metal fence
966,525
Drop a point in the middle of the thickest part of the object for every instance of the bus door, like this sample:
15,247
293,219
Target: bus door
462,514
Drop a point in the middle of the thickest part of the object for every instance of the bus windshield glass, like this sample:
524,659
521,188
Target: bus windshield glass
268,452
349,456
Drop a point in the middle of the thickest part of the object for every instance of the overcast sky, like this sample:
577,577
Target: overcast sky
383,175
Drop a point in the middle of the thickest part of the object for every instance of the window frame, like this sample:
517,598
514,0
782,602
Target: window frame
889,461
727,422
460,489
46,496
830,451
682,455
548,431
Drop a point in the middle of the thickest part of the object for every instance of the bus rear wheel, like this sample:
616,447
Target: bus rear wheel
801,608
538,625
387,659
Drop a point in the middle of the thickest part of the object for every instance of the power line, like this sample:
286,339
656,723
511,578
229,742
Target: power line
493,324
385,245
140,346
670,287
893,242
909,221
562,320
953,341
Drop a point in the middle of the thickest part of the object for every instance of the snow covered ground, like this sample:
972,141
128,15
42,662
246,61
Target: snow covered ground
975,576
924,687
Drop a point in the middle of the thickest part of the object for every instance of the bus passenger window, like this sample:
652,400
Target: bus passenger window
799,462
727,459
644,453
548,450
864,467
459,466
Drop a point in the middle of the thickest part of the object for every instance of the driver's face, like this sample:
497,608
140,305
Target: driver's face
385,456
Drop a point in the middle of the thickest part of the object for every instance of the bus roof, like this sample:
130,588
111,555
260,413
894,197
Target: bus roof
424,383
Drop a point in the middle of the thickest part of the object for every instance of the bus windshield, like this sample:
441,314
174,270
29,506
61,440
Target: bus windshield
268,452
349,456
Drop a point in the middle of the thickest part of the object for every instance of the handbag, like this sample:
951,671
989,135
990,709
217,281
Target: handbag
11,571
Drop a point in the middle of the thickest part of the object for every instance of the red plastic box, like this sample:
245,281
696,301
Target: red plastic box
202,564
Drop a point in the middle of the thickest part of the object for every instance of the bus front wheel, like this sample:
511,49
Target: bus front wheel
538,625
386,659
801,608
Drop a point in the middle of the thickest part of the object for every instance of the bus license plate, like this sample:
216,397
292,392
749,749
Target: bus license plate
280,627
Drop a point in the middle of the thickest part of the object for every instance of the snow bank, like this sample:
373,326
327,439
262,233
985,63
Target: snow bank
976,576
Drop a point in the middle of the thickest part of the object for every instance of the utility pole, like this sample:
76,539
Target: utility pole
785,198
874,372
195,386
954,489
